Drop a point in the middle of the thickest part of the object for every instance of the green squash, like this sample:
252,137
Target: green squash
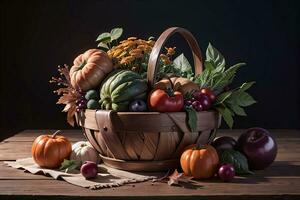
92,104
92,94
120,88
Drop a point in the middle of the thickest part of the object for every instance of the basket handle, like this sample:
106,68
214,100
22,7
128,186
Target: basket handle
155,53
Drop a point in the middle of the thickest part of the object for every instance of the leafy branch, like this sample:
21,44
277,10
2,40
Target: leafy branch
105,39
218,78
232,102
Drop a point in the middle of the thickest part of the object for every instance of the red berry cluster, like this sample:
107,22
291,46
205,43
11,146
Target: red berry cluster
200,100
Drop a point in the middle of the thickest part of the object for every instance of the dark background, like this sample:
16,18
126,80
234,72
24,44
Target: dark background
36,36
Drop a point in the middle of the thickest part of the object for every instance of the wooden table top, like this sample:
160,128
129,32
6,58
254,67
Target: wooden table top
280,181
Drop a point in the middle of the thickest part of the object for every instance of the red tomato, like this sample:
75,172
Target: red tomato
159,100
209,93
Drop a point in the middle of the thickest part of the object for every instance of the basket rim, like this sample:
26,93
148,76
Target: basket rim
146,112
147,121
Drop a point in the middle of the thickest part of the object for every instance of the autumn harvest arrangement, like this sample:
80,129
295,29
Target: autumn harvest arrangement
143,79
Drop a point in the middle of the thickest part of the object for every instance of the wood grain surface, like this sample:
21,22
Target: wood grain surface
280,181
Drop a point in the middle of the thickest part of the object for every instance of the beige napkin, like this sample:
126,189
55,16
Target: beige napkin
109,177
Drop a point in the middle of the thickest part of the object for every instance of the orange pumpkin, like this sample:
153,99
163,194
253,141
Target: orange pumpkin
180,84
200,162
49,151
89,69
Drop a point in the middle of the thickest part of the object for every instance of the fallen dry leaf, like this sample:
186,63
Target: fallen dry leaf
177,179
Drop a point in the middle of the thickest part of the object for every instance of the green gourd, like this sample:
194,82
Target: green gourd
120,88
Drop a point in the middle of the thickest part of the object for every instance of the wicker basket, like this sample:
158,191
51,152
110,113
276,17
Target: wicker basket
148,141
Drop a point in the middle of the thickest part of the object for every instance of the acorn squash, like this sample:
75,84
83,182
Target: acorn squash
120,88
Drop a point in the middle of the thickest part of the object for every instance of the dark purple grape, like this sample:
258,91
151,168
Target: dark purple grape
197,95
197,106
77,101
83,101
81,105
190,106
188,102
138,106
203,98
205,101
81,92
80,102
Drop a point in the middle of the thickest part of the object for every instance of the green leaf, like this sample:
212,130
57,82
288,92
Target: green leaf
212,54
237,159
244,99
237,109
232,70
227,115
246,86
104,37
222,97
116,33
203,79
191,119
69,165
225,78
182,63
103,45
208,65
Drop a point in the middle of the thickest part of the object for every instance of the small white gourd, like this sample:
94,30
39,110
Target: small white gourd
84,151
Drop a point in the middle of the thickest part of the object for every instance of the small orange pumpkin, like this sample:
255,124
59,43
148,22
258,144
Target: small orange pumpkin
180,84
89,69
49,151
200,162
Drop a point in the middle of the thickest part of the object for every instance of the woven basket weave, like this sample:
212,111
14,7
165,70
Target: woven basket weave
148,141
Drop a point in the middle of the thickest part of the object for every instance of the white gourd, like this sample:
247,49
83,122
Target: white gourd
83,151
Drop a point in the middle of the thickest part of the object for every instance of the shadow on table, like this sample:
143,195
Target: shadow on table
279,169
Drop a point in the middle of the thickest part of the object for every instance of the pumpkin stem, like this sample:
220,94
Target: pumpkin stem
82,64
55,133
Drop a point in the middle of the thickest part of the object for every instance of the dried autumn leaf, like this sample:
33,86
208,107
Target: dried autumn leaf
175,178
71,114
66,98
68,93
67,107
